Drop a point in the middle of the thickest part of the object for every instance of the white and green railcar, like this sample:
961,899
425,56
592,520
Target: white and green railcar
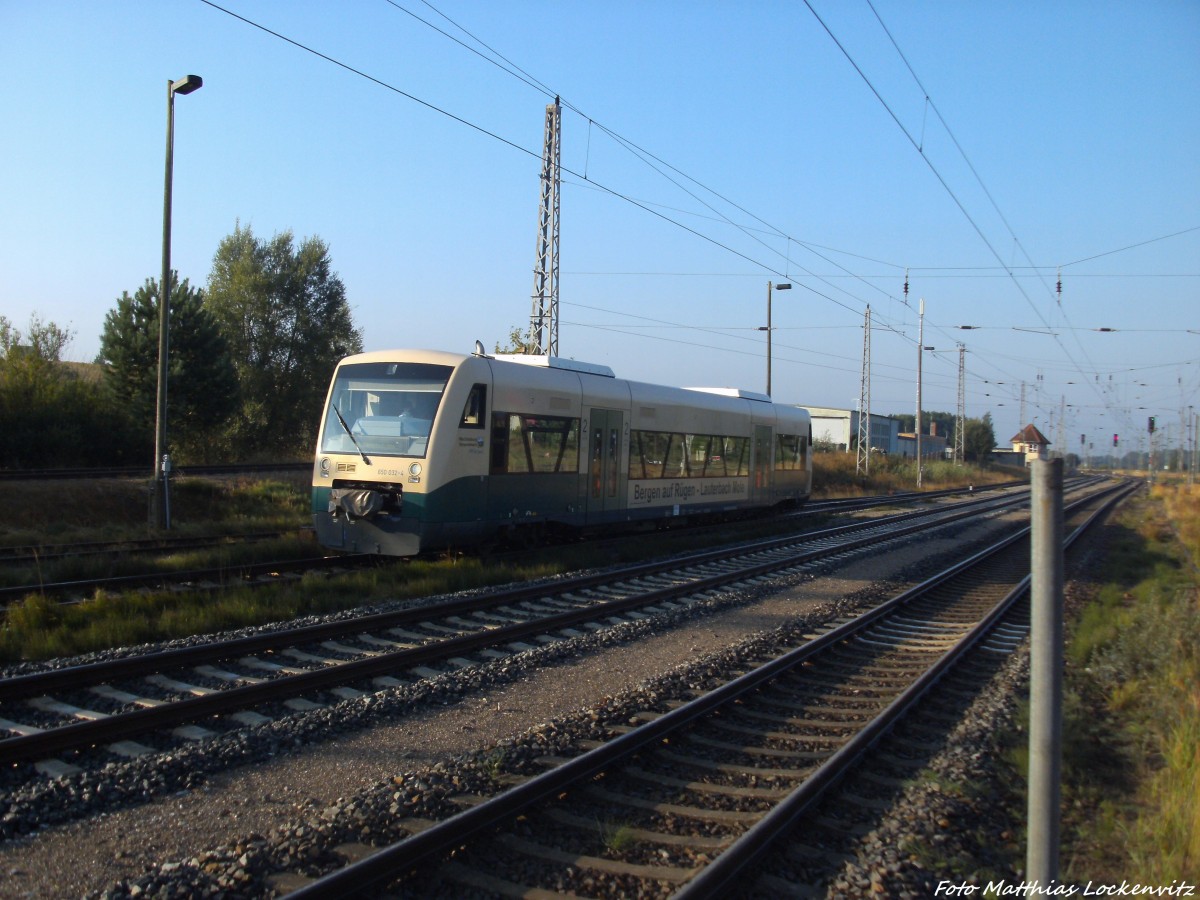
421,449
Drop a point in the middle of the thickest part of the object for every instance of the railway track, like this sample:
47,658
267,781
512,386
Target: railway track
219,578
692,801
77,474
153,563
60,720
259,574
41,553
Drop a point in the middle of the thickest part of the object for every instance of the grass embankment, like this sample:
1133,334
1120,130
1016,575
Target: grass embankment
1132,706
834,476
38,628
116,509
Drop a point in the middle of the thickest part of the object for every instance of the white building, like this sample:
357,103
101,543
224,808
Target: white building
839,427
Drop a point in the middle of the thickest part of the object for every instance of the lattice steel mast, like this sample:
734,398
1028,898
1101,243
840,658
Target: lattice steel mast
863,461
543,320
960,424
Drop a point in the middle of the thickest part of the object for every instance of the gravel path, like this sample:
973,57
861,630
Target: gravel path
90,855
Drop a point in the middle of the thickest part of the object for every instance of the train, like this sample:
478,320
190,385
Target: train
424,449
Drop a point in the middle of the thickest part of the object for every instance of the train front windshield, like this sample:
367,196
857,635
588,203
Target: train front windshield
383,408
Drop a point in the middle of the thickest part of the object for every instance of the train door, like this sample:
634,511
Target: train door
604,461
762,485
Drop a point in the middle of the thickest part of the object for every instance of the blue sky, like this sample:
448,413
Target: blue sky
708,148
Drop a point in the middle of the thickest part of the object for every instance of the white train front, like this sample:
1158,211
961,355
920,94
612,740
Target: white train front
421,449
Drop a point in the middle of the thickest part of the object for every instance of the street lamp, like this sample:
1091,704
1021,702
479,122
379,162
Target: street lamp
161,506
779,287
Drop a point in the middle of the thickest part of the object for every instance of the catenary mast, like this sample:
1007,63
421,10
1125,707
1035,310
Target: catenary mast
543,319
862,462
960,419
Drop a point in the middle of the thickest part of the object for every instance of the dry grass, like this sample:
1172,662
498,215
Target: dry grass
834,476
67,511
1134,691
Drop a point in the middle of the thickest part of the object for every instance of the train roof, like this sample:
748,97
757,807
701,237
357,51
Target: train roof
732,392
439,357
556,362
447,358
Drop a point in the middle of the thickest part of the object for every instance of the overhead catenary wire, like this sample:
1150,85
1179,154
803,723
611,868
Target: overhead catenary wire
933,168
652,160
1057,292
660,165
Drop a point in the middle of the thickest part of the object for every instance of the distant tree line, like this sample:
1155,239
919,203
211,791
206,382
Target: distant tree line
250,359
979,437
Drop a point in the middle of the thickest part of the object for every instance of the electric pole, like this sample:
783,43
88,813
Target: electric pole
863,461
960,423
920,362
543,319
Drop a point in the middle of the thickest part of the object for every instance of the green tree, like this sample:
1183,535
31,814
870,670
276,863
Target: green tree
944,421
979,439
54,413
201,379
43,343
284,312
518,342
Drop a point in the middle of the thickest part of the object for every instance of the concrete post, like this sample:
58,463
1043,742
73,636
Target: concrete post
1046,672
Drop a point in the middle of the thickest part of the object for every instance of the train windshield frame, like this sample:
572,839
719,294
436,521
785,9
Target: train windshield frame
383,408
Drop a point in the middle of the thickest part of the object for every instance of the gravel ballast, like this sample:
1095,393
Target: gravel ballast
296,776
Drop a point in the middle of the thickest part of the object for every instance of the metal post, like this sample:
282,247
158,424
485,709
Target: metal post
543,319
862,462
1193,436
920,360
166,480
768,339
1045,676
159,517
785,286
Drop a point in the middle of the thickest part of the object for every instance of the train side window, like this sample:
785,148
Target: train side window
676,463
737,455
499,443
662,454
534,444
473,411
637,456
789,452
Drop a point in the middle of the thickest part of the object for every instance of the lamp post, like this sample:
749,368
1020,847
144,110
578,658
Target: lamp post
778,287
161,506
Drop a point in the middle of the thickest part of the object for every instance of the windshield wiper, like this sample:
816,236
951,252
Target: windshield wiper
351,435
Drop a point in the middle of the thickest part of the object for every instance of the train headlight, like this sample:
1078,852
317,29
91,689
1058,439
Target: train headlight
414,469
325,467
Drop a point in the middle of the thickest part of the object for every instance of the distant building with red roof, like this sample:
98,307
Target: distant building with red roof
1031,442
